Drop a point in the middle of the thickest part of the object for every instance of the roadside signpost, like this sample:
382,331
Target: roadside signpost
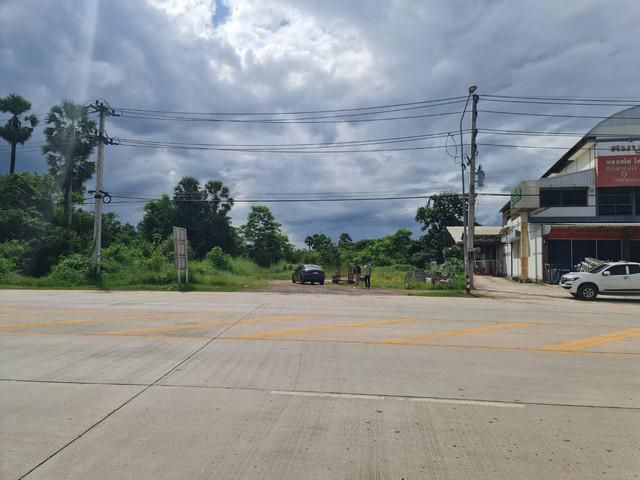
181,255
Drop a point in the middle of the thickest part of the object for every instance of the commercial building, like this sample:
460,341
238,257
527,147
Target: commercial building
587,204
489,257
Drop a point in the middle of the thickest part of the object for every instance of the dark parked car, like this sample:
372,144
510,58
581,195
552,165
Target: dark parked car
308,273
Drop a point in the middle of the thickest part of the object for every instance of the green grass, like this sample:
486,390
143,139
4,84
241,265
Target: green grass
242,275
393,278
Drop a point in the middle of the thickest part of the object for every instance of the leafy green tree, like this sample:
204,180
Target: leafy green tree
70,140
264,240
393,249
158,218
203,211
328,252
321,242
16,130
444,210
26,205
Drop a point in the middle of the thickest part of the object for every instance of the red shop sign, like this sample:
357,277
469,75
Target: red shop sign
618,171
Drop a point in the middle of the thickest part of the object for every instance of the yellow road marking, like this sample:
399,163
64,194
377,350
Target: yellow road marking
196,326
322,328
456,333
589,342
485,348
149,317
170,328
127,318
274,318
57,323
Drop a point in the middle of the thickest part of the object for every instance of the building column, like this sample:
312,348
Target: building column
524,246
545,256
626,244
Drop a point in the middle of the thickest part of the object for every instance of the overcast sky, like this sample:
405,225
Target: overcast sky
299,55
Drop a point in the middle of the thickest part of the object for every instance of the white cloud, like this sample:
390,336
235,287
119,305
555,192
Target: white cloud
189,17
285,55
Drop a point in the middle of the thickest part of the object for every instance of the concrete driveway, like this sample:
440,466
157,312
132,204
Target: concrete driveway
502,287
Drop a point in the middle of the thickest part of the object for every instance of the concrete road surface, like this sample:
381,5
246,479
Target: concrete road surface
141,385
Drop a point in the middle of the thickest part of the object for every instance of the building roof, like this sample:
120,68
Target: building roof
457,233
595,225
625,124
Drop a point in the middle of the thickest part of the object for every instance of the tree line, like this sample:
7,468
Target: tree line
42,220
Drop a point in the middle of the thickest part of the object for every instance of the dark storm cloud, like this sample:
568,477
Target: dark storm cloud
286,55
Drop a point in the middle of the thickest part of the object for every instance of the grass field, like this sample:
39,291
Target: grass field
239,274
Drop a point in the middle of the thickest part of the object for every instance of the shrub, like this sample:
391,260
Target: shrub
452,267
454,251
6,266
118,257
157,262
71,271
219,259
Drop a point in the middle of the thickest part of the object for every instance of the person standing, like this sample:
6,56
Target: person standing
356,275
367,274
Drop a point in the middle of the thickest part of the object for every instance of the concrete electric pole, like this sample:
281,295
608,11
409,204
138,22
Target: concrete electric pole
471,206
99,195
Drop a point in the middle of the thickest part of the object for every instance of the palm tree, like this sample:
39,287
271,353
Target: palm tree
70,140
309,242
16,130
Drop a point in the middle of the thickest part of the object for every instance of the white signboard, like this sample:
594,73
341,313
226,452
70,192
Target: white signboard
181,255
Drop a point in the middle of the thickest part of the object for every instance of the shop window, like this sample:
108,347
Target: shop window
609,250
560,254
634,250
563,197
618,201
582,249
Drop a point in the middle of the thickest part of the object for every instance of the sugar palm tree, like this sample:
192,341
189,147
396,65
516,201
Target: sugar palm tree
17,130
70,140
309,241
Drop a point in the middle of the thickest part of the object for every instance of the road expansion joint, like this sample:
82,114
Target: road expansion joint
383,396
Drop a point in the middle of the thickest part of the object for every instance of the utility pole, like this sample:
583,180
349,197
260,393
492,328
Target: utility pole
100,195
471,206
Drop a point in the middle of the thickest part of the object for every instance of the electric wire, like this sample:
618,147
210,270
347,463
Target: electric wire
304,112
309,120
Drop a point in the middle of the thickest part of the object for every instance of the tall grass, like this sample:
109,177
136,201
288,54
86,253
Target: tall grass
124,269
154,272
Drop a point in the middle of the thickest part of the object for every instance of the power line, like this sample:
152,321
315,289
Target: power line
613,100
305,112
554,115
288,151
345,115
134,201
309,120
372,141
567,103
498,131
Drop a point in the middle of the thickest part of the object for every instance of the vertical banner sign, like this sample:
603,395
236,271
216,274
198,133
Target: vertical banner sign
618,164
181,256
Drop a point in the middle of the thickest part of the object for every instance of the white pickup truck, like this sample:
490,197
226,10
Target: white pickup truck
614,278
